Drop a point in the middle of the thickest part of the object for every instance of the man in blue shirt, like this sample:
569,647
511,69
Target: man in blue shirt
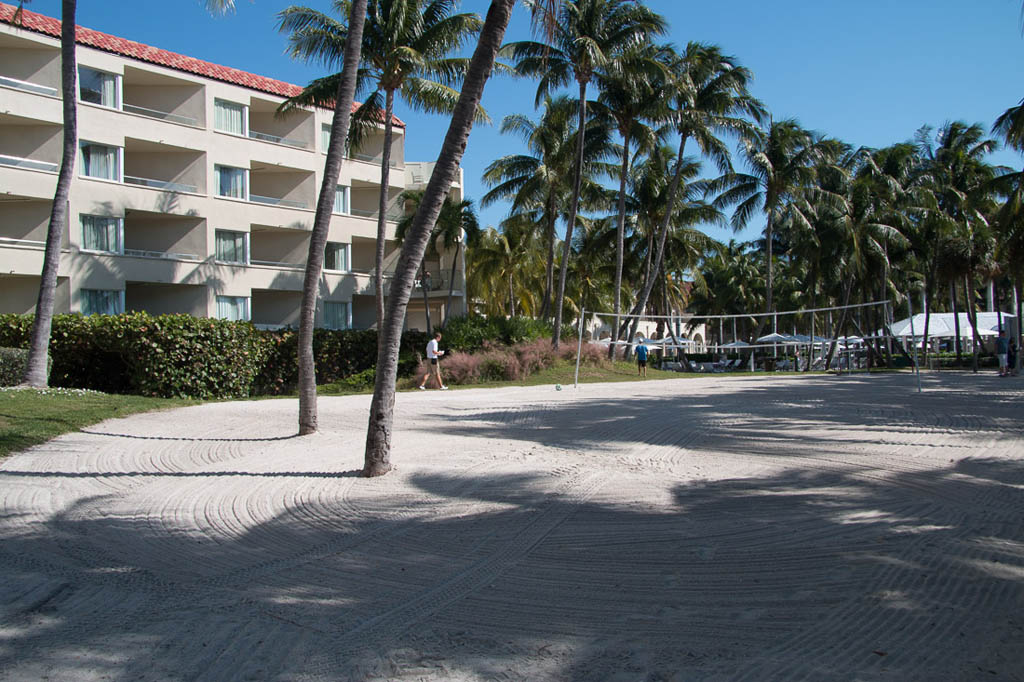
641,358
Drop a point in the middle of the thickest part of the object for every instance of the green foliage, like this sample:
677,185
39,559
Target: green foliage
12,365
185,356
472,333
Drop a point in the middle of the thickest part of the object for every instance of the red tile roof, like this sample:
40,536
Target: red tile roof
40,23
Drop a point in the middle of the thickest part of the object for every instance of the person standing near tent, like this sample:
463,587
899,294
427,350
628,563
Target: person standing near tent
1011,358
1002,349
434,358
641,358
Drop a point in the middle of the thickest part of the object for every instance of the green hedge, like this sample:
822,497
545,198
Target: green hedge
12,365
469,334
185,356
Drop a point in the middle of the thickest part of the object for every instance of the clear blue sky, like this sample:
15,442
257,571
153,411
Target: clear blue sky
869,72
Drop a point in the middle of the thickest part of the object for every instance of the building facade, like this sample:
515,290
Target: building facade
191,194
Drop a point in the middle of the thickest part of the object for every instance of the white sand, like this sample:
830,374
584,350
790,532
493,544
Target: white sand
720,528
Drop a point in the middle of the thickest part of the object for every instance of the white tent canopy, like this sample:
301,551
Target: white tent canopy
943,325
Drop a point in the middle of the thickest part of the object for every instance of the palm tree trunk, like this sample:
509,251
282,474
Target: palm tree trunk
1020,323
451,285
838,330
322,220
972,317
39,340
425,286
620,242
577,183
673,189
549,273
511,296
377,457
382,210
956,322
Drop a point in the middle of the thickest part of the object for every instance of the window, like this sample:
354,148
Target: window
98,87
101,233
232,247
341,199
230,117
325,137
102,302
233,307
101,161
335,315
231,182
336,256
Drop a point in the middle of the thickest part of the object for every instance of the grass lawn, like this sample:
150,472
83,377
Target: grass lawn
29,417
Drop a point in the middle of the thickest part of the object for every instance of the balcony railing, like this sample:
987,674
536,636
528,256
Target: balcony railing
162,115
393,215
299,144
435,281
10,241
32,164
277,264
370,158
160,184
275,201
28,87
163,255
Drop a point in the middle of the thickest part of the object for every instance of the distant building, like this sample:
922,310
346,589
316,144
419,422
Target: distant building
191,195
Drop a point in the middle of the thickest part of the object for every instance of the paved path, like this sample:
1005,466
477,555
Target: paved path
718,528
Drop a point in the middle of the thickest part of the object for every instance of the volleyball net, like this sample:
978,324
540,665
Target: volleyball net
849,337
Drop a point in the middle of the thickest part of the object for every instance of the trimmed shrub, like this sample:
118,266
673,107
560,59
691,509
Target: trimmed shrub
185,356
470,334
12,365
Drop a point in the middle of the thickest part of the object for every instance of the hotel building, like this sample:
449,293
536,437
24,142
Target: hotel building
191,193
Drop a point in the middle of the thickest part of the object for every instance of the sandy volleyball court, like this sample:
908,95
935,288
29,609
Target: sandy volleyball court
720,528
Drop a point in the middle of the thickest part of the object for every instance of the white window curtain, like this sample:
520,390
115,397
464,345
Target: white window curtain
231,246
100,161
229,117
341,199
336,256
101,302
97,87
233,308
325,137
335,315
230,182
101,233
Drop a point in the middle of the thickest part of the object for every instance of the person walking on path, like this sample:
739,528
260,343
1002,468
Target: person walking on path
1002,349
641,359
434,357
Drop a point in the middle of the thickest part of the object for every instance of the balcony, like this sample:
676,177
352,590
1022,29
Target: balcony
28,87
277,185
159,236
30,144
30,164
24,222
29,66
293,129
163,97
163,167
278,247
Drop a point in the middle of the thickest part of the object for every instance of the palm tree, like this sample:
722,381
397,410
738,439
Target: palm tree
955,172
710,99
406,48
588,36
629,91
535,182
378,437
39,339
506,267
783,169
537,179
457,224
